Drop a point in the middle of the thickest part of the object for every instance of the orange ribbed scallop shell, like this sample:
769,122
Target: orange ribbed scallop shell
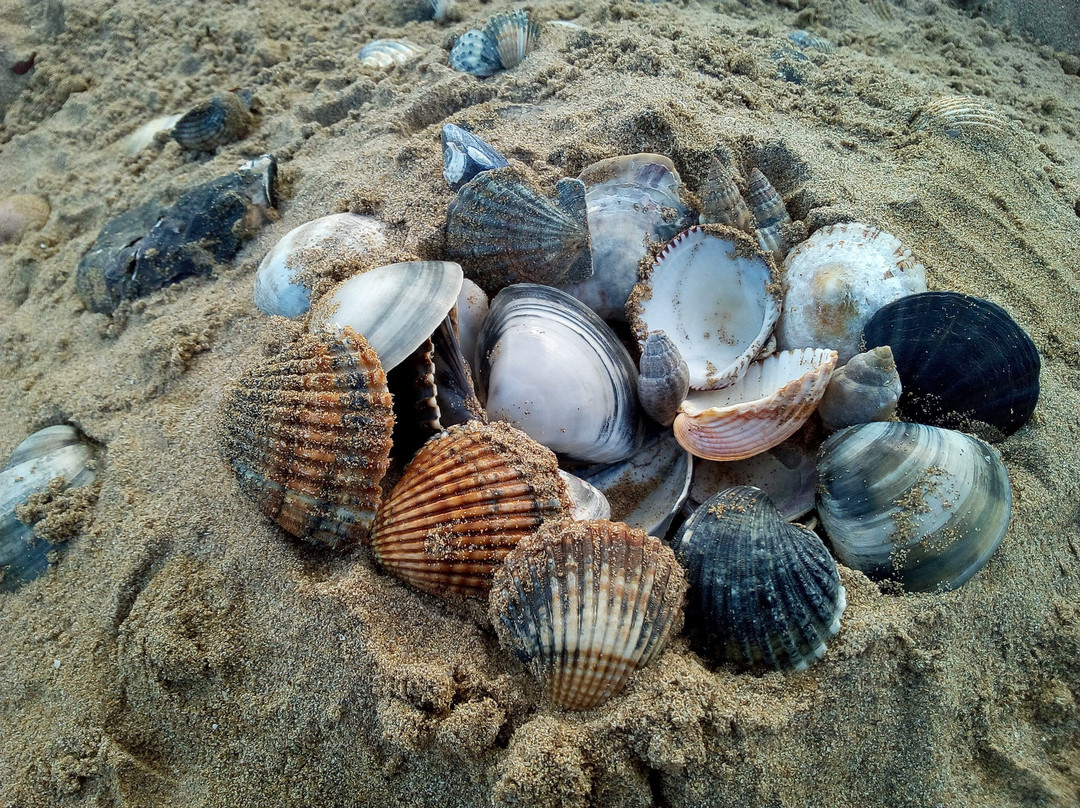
585,604
307,434
468,496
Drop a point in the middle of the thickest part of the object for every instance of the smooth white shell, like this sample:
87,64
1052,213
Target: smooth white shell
472,310
278,292
834,282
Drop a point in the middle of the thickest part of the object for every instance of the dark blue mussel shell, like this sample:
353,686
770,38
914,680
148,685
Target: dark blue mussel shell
963,362
465,155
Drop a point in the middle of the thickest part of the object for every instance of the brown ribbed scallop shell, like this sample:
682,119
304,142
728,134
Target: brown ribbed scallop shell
307,434
585,604
464,501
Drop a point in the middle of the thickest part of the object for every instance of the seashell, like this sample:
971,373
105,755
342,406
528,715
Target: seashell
713,293
805,39
395,307
386,53
759,411
631,201
466,499
307,434
922,505
769,212
647,489
721,200
584,605
465,155
763,592
284,278
663,380
146,134
552,368
586,500
440,8
963,361
55,452
223,119
22,213
865,389
472,310
476,53
836,279
505,231
515,36
150,247
964,117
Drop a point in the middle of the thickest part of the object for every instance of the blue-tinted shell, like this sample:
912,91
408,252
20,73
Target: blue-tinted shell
664,378
465,155
476,53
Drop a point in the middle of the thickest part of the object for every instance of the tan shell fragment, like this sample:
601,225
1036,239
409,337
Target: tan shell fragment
761,410
464,501
585,604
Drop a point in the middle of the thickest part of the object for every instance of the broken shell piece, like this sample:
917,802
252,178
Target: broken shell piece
585,604
712,291
472,310
464,501
663,378
465,155
761,410
145,134
865,389
386,53
225,118
22,213
964,117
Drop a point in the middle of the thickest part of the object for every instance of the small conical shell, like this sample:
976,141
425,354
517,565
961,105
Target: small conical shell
468,496
664,379
307,434
585,604
515,36
721,200
217,122
505,231
762,591
769,211
865,389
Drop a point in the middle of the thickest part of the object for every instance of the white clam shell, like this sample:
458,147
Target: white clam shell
385,53
713,293
835,281
552,368
758,412
279,290
394,307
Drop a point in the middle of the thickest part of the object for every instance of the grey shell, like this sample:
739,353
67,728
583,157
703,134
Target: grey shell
465,155
664,378
223,119
476,53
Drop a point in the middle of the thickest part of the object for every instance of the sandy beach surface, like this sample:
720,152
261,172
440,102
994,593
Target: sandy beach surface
186,652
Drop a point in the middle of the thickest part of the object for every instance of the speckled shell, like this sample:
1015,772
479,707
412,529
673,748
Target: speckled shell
963,361
865,389
468,496
663,380
714,294
221,120
476,53
514,35
59,451
386,53
964,117
922,505
759,411
505,231
584,605
763,592
465,155
836,279
307,433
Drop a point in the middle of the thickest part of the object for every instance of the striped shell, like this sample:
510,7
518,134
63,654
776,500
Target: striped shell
515,36
664,378
721,200
759,411
385,53
964,117
769,212
307,433
805,39
221,120
468,496
476,53
763,592
505,231
585,604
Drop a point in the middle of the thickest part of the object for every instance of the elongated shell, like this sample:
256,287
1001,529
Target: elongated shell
663,380
585,604
769,212
465,155
763,592
386,53
514,35
476,53
221,120
759,411
59,451
865,389
963,361
464,501
713,293
721,200
922,505
307,434
396,307
505,231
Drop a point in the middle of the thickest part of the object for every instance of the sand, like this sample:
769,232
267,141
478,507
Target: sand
184,652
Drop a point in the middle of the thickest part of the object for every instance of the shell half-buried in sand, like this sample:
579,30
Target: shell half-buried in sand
468,496
585,604
307,433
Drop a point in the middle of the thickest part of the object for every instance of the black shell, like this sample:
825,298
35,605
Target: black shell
763,592
217,122
963,361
